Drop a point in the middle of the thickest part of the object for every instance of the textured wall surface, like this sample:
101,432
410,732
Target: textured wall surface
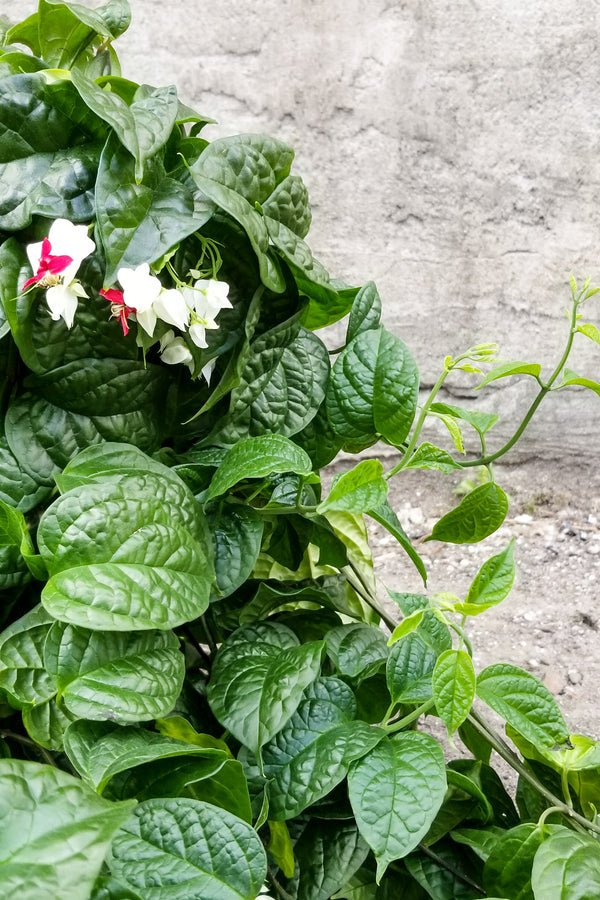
450,150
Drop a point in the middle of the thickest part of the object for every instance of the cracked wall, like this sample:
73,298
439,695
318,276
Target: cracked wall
450,151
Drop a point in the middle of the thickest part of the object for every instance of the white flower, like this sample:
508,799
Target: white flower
140,290
208,369
173,350
206,299
170,306
62,301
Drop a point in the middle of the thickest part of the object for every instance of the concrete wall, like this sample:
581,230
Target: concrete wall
450,148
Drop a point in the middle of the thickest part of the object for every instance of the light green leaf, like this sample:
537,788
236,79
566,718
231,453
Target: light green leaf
431,629
453,687
491,585
258,678
312,752
409,670
571,378
566,867
477,516
256,457
590,331
56,832
524,702
396,792
280,847
385,515
454,429
428,456
373,390
149,565
23,675
407,626
481,421
66,30
361,489
181,848
289,205
123,677
46,724
511,368
237,173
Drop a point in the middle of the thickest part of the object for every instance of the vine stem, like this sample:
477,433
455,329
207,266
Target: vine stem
27,742
409,718
502,749
545,388
417,429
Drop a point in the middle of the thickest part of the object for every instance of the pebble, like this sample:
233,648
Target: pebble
574,676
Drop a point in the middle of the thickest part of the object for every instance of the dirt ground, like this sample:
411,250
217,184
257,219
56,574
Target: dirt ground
550,623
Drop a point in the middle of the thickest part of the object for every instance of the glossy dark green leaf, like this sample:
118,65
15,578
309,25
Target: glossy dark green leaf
122,677
282,384
237,535
365,312
357,649
270,598
373,390
110,461
55,834
312,752
480,840
327,855
477,516
47,723
181,848
17,488
239,172
289,205
145,567
507,871
385,515
451,875
396,792
256,457
566,867
361,489
23,675
491,585
524,702
409,670
139,221
319,440
258,678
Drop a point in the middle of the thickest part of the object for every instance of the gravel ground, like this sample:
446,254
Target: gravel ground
550,623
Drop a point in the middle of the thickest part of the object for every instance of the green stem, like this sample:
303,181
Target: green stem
355,578
449,867
545,388
410,718
503,750
417,429
27,742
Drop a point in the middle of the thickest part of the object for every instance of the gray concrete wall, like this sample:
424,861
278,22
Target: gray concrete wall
450,148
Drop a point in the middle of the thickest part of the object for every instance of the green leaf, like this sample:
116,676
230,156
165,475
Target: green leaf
431,629
280,847
237,173
26,32
327,855
481,421
524,702
365,312
511,368
47,723
409,670
477,516
566,867
110,461
507,871
427,456
289,205
444,877
385,515
15,533
147,567
361,489
123,677
591,332
491,585
256,457
56,832
237,535
23,675
258,678
282,384
312,752
143,127
571,378
453,688
179,847
140,221
396,792
67,29
17,488
99,751
357,649
373,390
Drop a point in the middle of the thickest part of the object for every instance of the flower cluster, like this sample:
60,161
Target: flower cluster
190,309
